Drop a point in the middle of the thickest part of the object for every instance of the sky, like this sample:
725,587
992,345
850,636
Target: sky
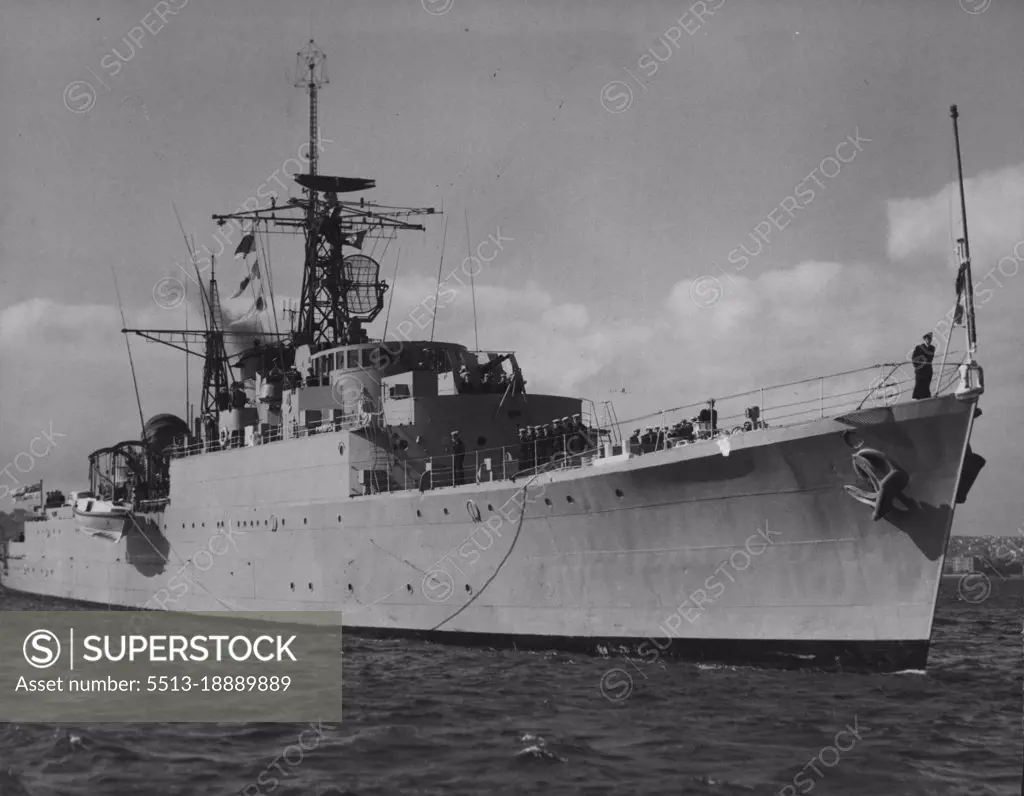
622,154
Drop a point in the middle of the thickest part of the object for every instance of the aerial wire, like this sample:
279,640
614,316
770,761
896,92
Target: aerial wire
440,265
472,284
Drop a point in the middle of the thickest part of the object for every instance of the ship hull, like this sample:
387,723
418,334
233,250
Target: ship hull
745,550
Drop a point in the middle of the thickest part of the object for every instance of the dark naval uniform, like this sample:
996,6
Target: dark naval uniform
922,359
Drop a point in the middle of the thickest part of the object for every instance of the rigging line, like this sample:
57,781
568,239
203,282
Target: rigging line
265,243
952,179
501,564
188,418
192,259
440,265
391,298
260,251
184,563
472,284
248,272
128,345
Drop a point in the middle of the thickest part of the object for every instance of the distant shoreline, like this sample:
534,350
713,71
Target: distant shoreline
1017,576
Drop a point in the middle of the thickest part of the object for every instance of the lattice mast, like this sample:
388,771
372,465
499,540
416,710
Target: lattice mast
215,360
319,307
339,294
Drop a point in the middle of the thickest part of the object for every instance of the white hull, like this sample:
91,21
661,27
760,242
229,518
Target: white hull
665,545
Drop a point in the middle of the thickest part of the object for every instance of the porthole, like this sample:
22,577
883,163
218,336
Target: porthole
303,520
419,513
568,499
341,448
547,501
350,587
469,589
618,493
293,586
446,511
311,587
408,588
481,441
490,507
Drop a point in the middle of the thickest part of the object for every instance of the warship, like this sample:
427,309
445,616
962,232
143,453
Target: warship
419,489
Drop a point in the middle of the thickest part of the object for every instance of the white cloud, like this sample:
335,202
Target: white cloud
41,318
927,227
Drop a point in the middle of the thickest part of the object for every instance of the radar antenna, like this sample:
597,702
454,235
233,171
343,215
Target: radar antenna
339,293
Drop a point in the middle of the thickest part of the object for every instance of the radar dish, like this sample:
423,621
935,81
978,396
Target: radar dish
364,292
325,184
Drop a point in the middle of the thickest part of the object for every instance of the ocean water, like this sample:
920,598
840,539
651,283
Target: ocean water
429,719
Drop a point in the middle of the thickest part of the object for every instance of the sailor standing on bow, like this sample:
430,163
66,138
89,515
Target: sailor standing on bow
922,359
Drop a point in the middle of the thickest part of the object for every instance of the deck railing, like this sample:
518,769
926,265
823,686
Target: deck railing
781,405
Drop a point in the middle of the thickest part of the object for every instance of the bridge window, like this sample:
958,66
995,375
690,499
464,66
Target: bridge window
353,358
368,356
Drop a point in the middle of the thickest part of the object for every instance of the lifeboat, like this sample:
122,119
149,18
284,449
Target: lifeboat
101,519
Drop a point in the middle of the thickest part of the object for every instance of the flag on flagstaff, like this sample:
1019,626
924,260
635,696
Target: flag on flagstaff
356,240
256,307
246,246
961,277
27,492
254,273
